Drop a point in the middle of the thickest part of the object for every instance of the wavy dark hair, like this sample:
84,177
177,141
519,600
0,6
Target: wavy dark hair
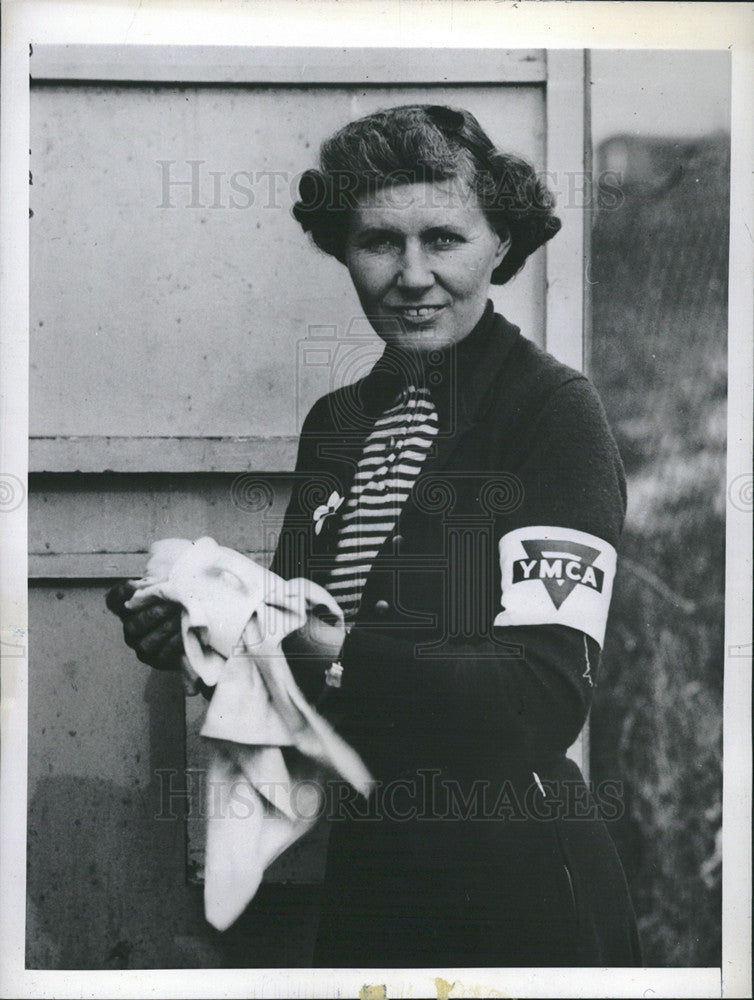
425,142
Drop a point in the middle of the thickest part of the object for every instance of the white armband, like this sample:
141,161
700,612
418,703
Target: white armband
556,576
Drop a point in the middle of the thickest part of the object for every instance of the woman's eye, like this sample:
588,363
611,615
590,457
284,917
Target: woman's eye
381,244
445,240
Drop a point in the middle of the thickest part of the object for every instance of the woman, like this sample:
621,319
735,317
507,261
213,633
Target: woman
476,497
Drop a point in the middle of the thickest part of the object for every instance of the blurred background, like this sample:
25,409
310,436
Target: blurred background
660,128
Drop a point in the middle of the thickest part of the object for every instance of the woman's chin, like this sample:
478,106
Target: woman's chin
416,338
418,343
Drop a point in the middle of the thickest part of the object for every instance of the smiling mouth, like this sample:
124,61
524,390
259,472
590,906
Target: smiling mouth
417,313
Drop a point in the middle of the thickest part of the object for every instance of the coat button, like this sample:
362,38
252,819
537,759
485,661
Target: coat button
398,541
382,608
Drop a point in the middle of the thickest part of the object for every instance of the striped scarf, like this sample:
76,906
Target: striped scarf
392,459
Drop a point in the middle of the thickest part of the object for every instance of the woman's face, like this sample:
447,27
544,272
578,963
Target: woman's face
421,257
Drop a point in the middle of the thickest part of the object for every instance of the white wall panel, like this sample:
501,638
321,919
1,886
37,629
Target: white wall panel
166,311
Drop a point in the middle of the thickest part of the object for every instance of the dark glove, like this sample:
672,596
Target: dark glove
153,632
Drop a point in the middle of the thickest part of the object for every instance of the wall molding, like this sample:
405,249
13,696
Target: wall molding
162,454
304,66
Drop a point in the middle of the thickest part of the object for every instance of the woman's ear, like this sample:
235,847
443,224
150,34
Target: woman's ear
503,246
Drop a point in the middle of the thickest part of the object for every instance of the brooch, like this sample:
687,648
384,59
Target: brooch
333,675
324,510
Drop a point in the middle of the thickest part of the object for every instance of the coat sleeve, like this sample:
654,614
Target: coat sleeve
526,687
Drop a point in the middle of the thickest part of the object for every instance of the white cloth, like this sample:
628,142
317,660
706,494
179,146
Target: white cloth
235,616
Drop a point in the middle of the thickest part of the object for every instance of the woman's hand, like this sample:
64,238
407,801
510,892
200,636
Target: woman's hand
153,632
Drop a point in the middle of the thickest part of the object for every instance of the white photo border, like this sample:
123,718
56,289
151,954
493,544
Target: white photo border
441,23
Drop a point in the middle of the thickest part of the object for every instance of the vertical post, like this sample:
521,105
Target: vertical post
568,320
568,162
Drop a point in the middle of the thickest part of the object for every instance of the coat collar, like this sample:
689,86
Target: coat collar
458,377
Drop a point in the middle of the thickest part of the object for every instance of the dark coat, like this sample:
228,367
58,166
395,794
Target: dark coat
482,845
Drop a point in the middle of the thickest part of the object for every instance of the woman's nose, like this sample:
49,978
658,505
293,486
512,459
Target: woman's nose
415,271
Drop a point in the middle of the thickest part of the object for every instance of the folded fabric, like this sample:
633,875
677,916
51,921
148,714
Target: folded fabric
235,617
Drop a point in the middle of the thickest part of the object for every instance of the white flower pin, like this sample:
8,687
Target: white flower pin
324,510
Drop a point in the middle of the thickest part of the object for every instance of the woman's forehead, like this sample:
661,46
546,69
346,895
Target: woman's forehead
420,203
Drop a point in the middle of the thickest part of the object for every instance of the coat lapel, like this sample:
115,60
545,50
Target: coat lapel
338,451
462,388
